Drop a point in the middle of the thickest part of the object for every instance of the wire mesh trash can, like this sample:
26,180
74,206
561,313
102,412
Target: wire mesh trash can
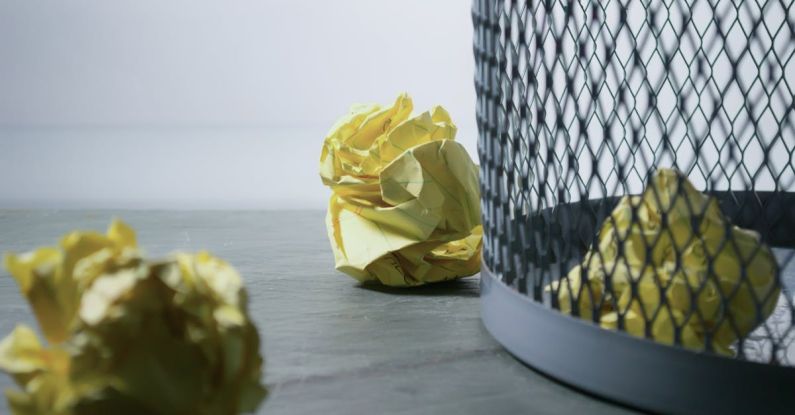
638,193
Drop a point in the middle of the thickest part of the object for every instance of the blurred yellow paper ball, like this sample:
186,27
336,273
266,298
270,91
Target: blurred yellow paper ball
127,335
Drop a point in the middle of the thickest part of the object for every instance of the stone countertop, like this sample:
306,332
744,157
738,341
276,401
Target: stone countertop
331,345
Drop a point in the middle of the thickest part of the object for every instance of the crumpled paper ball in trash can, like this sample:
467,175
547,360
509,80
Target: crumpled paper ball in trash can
672,223
405,207
130,336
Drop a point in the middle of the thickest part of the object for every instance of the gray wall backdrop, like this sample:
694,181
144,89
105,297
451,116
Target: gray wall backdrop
208,104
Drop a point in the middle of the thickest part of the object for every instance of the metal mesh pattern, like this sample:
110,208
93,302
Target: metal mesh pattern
580,103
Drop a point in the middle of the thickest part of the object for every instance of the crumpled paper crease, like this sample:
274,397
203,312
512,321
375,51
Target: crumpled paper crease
405,207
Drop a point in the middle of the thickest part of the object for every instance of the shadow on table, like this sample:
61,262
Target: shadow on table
463,287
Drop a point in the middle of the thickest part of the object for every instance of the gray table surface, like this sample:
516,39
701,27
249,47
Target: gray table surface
331,345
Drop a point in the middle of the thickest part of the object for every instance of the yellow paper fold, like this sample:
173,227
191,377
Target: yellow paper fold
680,274
405,207
128,335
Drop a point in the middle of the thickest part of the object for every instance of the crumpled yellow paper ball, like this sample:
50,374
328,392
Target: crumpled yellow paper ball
405,207
663,286
130,336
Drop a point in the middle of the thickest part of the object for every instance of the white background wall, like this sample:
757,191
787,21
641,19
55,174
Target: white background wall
208,104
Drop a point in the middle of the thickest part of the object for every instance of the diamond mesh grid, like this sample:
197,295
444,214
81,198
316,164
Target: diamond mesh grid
583,103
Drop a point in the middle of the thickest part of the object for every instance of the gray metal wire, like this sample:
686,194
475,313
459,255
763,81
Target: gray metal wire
580,102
